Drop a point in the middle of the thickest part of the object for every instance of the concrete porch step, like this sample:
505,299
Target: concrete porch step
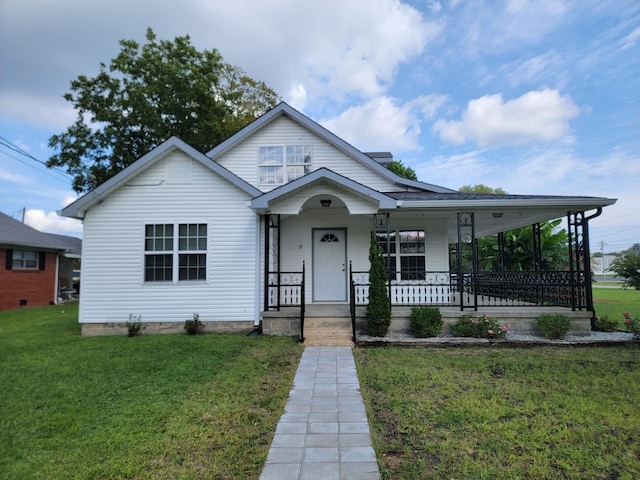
328,331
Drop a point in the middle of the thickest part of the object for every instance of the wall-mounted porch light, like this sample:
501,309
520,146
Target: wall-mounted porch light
497,214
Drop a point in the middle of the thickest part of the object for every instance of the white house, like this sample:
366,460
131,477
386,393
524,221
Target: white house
275,223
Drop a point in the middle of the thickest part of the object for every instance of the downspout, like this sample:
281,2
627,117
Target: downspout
587,269
57,282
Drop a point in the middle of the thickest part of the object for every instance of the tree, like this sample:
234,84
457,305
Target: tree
482,188
403,171
378,307
518,243
627,265
146,95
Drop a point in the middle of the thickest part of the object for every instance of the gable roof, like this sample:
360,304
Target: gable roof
261,204
283,109
16,234
78,208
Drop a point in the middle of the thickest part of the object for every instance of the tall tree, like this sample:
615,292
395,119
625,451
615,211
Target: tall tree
402,170
147,94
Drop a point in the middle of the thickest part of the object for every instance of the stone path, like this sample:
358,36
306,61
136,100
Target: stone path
324,432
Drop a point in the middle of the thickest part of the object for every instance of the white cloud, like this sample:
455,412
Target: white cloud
52,223
13,177
489,121
630,40
497,27
328,50
383,124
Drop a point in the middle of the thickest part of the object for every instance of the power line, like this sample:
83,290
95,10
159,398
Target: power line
10,145
66,181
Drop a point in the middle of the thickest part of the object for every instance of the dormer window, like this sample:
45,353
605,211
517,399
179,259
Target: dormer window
279,164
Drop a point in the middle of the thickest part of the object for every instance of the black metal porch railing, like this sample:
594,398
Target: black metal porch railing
286,289
352,304
482,289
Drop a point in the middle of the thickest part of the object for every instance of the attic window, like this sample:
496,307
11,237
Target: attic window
279,164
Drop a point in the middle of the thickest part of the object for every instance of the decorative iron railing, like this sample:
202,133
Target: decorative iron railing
285,289
472,290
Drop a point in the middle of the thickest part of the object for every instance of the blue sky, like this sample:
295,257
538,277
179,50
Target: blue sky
535,97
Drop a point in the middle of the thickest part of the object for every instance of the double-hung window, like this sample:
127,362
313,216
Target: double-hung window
24,260
172,252
279,164
405,252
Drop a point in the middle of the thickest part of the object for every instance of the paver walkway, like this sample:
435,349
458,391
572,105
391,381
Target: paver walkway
324,432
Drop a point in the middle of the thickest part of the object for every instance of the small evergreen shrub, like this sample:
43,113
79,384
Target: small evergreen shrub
554,326
194,326
378,317
605,324
134,326
479,327
425,322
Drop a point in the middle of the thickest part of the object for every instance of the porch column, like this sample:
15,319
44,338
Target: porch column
271,257
466,236
580,260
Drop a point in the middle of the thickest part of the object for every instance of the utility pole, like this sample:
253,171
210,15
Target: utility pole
604,268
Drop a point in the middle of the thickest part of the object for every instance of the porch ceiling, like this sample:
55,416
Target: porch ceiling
495,213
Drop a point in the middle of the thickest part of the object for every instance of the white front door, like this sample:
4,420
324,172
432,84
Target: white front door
330,265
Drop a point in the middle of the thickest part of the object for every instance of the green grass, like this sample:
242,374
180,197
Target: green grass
162,406
543,413
611,302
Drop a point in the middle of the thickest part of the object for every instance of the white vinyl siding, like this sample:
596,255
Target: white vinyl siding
113,285
242,160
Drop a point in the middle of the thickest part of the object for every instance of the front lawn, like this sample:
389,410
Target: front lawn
478,413
161,406
611,302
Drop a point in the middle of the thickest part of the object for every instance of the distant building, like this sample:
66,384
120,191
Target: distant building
38,267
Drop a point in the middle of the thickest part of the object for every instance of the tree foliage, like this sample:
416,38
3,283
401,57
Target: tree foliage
482,188
147,94
627,265
378,307
518,249
402,170
518,243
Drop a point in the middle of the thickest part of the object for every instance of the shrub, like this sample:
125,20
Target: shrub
425,322
194,326
605,324
479,327
554,326
378,308
633,324
134,326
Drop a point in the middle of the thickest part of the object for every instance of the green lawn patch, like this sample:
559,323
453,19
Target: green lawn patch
161,406
611,302
543,413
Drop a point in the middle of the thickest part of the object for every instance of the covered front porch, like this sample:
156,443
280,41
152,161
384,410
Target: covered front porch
518,298
317,232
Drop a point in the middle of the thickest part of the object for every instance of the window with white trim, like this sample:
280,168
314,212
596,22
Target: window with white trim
406,250
166,259
24,260
279,164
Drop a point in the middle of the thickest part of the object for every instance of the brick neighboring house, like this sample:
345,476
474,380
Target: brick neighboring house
37,268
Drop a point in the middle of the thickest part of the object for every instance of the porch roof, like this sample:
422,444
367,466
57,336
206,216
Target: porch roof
496,213
263,203
462,199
